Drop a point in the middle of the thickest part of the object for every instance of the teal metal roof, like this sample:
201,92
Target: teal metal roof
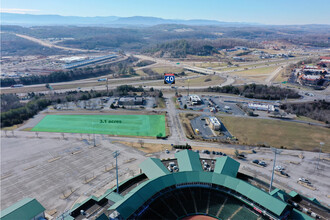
188,160
224,175
102,217
68,217
293,194
26,209
226,166
153,168
297,215
139,195
115,197
280,194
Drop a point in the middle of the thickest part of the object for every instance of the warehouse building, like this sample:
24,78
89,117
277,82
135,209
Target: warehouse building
214,123
195,99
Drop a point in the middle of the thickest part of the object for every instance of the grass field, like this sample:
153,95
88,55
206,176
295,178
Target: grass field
126,125
210,80
276,133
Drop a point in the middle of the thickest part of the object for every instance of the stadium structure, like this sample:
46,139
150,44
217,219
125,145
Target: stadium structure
191,192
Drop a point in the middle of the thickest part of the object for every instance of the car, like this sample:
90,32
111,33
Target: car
224,154
167,151
279,168
171,164
197,151
304,180
262,163
170,168
255,161
213,152
220,153
177,150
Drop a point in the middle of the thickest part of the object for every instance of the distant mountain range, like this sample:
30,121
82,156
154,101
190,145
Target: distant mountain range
30,20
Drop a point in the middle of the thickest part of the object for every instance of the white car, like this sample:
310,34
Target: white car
304,180
279,168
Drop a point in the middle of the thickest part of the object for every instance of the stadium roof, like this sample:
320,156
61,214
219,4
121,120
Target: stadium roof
26,209
226,166
280,194
153,168
299,215
224,175
188,161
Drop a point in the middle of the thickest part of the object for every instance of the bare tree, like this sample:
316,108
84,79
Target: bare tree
141,142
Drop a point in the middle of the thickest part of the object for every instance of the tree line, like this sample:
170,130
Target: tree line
257,91
317,110
13,112
122,68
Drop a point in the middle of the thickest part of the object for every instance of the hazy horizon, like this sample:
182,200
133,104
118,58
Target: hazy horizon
281,12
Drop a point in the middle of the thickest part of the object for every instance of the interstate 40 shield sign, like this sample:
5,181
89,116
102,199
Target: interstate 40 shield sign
169,78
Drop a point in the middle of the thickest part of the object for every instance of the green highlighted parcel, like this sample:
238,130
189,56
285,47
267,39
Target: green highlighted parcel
125,125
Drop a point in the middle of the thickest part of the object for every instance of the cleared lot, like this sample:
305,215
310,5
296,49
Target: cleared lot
133,125
291,135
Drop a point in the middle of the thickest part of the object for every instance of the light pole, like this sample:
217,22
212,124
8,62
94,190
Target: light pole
94,144
115,155
318,162
276,151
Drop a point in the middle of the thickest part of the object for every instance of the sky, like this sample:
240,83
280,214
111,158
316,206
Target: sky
255,11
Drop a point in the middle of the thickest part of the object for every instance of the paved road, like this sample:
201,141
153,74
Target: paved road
47,44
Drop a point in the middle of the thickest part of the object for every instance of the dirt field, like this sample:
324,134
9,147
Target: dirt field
259,71
276,133
147,147
153,148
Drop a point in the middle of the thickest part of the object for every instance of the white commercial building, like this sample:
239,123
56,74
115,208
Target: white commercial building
195,100
262,107
214,123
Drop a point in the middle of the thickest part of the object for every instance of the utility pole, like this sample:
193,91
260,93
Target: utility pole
276,151
318,162
94,143
188,87
115,155
107,86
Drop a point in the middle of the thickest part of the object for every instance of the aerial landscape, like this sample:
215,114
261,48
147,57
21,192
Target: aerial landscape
165,110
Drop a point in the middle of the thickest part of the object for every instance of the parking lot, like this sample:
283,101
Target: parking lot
212,104
205,131
47,168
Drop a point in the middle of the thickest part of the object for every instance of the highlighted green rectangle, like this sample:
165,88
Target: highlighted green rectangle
130,125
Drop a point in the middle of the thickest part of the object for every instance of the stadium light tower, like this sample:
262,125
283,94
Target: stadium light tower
94,144
276,151
115,155
318,162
